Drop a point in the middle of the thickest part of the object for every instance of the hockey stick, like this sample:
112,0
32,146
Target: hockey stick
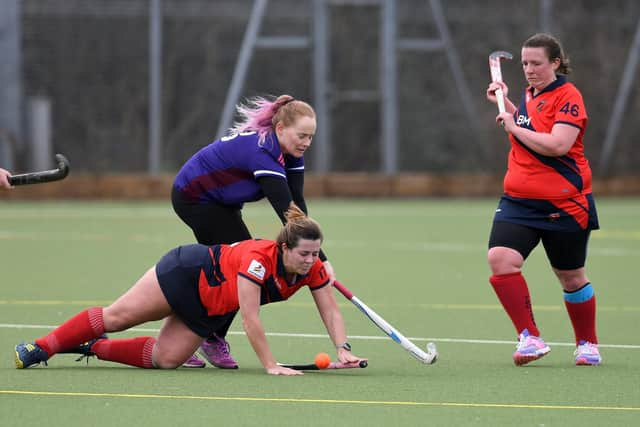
43,176
429,357
496,74
332,365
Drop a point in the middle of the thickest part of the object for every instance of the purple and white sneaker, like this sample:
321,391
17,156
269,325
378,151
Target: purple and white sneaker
529,348
194,362
217,352
587,354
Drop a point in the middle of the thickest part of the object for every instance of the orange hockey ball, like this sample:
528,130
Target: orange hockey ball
322,360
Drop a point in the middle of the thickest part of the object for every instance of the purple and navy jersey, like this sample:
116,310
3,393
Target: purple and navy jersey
226,170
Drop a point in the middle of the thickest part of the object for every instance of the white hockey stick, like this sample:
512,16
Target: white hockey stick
496,74
429,357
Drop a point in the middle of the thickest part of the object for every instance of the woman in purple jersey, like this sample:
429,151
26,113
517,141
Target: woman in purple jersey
262,156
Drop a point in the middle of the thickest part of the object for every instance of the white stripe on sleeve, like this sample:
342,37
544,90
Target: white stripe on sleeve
268,172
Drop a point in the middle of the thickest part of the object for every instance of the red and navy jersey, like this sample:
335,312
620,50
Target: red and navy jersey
535,176
258,261
226,170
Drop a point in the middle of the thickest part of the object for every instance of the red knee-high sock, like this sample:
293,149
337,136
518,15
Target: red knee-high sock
80,328
513,293
583,319
130,351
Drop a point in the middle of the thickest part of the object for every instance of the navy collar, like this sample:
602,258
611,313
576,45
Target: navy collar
559,81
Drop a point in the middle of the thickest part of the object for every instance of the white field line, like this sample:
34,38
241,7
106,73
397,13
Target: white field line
438,247
355,337
346,305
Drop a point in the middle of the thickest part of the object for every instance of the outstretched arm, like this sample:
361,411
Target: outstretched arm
279,193
332,318
249,298
295,182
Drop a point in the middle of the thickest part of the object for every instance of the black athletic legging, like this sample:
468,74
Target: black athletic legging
211,223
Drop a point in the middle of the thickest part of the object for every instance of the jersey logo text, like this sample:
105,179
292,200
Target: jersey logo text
256,269
524,120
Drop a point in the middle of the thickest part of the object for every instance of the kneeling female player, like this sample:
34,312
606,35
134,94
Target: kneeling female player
195,288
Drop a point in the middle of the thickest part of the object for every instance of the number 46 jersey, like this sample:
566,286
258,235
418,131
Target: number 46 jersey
532,175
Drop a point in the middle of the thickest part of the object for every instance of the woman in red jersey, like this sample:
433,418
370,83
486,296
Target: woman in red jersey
195,288
547,197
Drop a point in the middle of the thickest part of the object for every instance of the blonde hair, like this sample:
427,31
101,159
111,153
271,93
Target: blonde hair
261,115
298,226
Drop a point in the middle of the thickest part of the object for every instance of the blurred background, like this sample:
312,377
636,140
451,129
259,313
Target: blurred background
137,86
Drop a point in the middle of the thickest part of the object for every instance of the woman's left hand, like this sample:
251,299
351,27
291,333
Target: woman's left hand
329,269
506,121
345,356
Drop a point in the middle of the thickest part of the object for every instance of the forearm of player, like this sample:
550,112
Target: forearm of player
509,106
249,298
554,144
277,192
255,333
330,315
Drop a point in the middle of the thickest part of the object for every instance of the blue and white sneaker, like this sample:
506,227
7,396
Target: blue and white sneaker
529,348
30,354
587,354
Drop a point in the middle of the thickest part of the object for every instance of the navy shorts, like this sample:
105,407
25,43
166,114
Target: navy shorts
178,273
574,214
521,224
565,250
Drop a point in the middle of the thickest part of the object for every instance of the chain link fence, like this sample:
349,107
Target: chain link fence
90,58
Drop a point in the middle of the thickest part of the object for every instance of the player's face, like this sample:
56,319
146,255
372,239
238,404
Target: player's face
538,69
299,260
295,139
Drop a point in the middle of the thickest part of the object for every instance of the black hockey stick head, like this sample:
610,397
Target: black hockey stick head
40,177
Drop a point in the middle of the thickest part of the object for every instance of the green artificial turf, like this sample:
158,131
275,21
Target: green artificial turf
421,264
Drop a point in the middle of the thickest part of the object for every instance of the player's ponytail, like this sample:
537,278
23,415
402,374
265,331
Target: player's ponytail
298,226
261,115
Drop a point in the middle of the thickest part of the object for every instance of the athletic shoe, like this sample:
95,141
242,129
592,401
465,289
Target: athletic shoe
529,348
587,354
217,352
194,362
30,354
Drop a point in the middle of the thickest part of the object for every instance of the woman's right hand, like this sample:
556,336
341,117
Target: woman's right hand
281,370
4,178
491,91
